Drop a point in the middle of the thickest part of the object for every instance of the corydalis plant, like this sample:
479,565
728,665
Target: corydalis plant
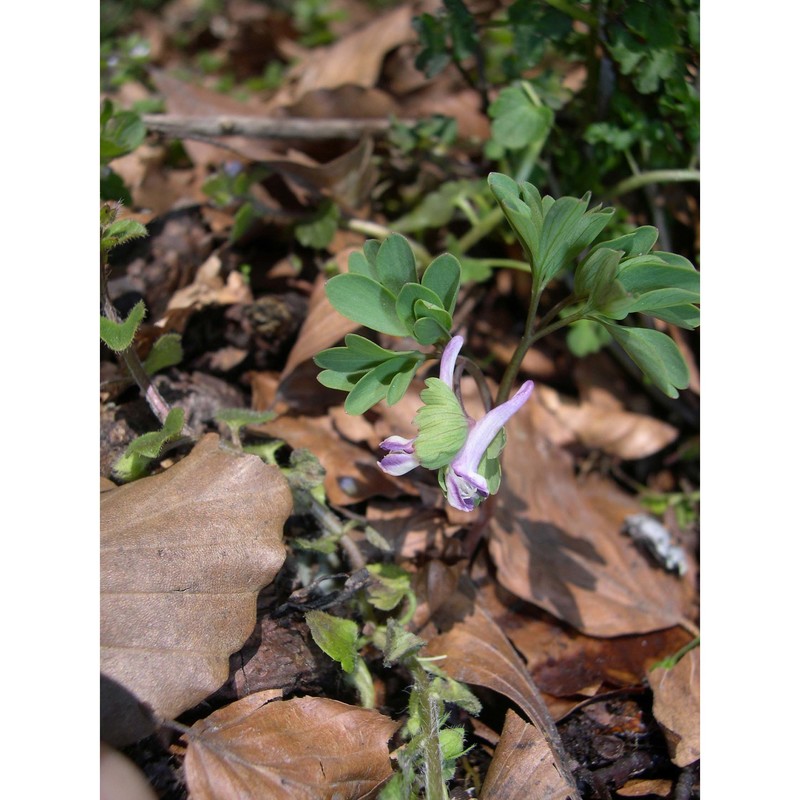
612,281
464,451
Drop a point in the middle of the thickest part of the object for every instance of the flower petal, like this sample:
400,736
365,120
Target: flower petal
447,365
397,444
398,463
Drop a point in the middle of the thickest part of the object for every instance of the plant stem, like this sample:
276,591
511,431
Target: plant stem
158,405
435,788
382,232
653,176
524,343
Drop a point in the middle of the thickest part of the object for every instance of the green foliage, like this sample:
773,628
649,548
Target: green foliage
165,352
518,120
552,232
141,451
119,336
433,134
318,231
335,636
381,291
119,232
451,35
121,132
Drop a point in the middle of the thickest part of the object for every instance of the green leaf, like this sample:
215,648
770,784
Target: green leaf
365,301
335,636
406,300
142,450
586,336
112,187
339,380
119,335
443,277
655,354
400,643
654,271
687,317
395,263
527,226
433,56
423,309
120,133
663,298
635,243
595,273
401,381
516,121
121,231
436,208
375,384
568,228
428,331
453,691
242,221
165,352
357,264
358,354
319,230
236,418
442,425
390,586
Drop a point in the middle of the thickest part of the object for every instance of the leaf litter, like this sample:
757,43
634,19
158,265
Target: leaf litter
567,611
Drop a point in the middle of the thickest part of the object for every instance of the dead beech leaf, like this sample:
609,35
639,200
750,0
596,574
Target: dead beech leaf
676,707
351,472
354,59
558,544
478,652
183,556
209,287
616,432
523,766
308,748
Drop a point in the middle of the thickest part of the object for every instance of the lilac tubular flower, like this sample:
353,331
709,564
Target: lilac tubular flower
465,487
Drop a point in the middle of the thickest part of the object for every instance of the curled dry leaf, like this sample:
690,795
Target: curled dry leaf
676,707
308,748
558,544
478,652
523,766
183,556
616,432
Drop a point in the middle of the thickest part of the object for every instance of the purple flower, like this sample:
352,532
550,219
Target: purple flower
464,485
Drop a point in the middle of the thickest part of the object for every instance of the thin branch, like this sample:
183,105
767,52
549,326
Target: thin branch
183,127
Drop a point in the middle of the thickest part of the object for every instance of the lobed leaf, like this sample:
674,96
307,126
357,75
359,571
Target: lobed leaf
443,277
365,301
396,264
119,335
656,354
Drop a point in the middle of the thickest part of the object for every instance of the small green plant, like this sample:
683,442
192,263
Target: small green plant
612,281
119,336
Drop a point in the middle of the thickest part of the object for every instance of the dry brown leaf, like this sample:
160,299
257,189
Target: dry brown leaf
323,326
209,287
646,787
354,59
676,707
565,663
183,556
478,652
352,473
618,433
308,748
558,544
523,767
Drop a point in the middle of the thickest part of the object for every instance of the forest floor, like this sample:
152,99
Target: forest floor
545,601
